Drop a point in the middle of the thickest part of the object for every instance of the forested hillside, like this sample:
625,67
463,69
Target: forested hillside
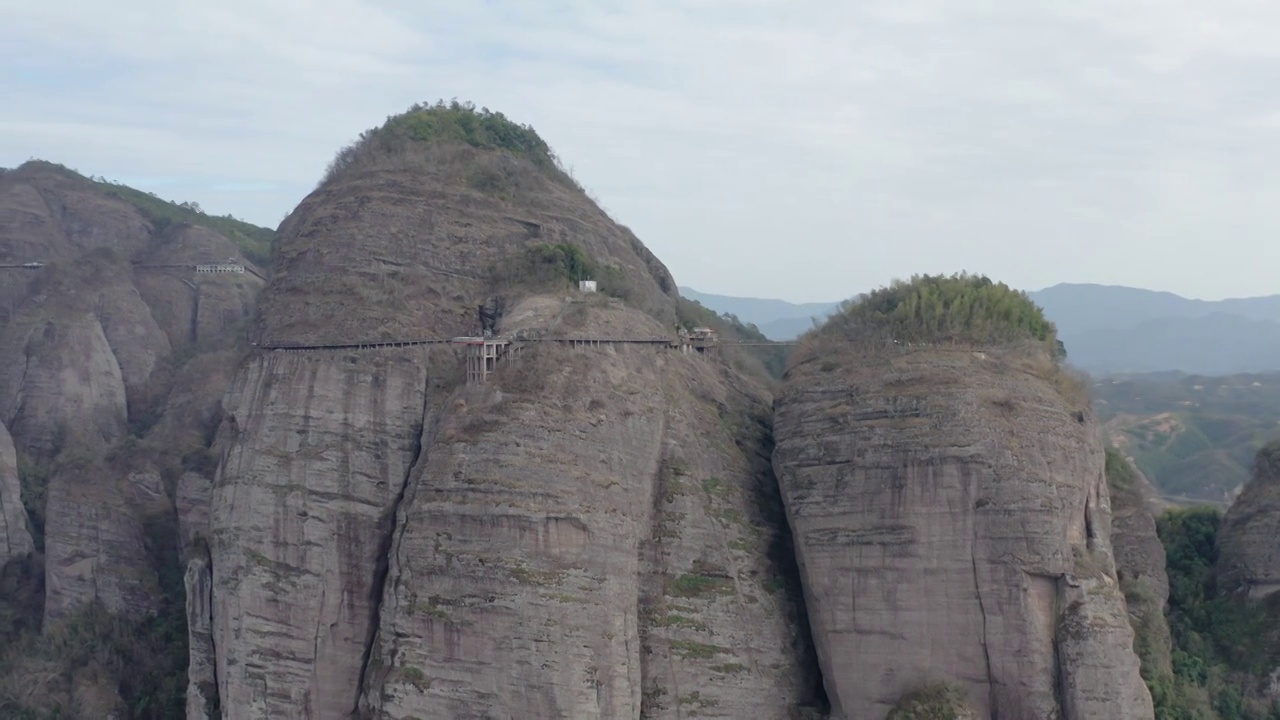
1192,435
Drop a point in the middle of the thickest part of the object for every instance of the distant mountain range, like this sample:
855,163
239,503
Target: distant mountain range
1107,329
777,319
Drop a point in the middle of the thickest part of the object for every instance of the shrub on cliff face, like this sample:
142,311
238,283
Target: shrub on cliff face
938,702
959,308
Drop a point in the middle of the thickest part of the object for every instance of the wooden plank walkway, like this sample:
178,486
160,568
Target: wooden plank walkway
579,341
191,266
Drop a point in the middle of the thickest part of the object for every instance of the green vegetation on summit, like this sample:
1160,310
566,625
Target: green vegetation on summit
454,122
558,266
960,308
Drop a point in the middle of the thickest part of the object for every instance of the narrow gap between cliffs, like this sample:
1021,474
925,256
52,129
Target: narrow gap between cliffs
382,569
986,649
782,555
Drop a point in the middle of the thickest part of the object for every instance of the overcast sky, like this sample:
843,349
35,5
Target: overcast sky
801,149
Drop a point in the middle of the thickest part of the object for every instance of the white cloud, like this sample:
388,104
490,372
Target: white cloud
808,149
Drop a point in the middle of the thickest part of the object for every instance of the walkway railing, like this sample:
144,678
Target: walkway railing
581,341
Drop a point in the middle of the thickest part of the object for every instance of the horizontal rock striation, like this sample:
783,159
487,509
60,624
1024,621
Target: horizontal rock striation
584,538
952,525
315,452
407,250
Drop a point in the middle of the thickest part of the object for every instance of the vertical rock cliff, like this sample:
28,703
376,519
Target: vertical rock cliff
587,535
110,385
1249,556
1144,580
15,536
317,449
944,483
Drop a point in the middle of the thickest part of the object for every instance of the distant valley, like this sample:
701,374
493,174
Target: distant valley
1194,436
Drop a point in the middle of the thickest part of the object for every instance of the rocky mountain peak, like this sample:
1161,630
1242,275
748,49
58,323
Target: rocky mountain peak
426,217
113,345
943,478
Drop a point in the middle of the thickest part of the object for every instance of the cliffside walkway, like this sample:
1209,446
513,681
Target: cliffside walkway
576,342
193,268
486,355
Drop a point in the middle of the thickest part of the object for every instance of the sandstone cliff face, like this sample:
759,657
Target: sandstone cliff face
200,310
1140,567
407,251
110,386
592,543
61,378
95,540
952,524
15,536
584,538
80,343
202,679
317,448
1249,559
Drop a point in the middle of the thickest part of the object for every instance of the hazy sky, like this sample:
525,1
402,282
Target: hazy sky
802,149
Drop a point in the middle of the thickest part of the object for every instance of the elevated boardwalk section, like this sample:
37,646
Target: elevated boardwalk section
487,355
217,268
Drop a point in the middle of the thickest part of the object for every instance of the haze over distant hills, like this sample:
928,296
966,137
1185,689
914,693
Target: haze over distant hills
1107,329
1111,329
777,319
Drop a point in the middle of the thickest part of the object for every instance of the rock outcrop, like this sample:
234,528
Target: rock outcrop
1249,557
15,535
316,452
952,525
59,378
202,680
584,537
110,386
407,245
81,349
95,542
587,535
1140,569
193,309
